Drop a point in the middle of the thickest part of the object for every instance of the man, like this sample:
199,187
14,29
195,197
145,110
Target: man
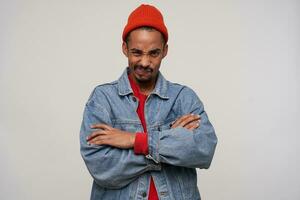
141,136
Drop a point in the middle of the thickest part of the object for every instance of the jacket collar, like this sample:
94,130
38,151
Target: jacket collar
161,86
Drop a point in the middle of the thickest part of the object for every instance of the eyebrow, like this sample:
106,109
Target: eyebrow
155,50
140,51
135,50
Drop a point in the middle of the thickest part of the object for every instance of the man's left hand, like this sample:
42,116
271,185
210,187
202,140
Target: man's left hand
106,135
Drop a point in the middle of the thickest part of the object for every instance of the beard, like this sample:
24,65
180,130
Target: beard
143,74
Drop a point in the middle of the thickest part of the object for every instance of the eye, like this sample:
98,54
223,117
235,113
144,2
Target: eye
154,54
136,53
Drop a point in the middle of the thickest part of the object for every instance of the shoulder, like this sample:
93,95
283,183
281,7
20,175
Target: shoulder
102,90
186,97
182,91
106,86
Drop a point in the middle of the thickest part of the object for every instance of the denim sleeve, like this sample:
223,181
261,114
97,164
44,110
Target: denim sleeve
180,146
110,167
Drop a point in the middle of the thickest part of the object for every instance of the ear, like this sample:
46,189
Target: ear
125,49
165,51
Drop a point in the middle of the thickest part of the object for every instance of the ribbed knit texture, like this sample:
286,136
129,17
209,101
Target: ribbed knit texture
145,15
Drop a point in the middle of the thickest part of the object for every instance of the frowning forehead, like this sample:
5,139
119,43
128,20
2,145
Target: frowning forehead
145,40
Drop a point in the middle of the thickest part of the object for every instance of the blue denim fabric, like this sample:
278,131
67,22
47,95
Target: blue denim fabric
174,154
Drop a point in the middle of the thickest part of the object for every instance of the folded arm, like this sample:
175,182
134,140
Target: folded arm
180,146
109,166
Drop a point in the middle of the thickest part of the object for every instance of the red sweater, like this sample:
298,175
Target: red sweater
141,139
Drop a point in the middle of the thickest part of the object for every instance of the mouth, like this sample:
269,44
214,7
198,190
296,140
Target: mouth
142,71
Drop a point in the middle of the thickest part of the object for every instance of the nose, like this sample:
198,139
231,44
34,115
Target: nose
145,61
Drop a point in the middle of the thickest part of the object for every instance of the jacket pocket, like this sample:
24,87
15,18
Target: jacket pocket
132,126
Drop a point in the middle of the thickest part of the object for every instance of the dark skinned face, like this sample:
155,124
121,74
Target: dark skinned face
145,50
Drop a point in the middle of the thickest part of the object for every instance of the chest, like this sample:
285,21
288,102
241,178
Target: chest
159,113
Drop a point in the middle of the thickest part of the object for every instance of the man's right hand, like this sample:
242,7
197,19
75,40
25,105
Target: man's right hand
189,121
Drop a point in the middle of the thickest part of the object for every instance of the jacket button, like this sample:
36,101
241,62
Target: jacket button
163,193
144,194
134,99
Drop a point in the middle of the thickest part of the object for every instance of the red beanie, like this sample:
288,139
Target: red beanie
145,15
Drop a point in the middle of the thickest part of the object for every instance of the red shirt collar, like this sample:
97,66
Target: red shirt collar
135,88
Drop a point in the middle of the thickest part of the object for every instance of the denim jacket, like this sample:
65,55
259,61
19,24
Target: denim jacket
174,154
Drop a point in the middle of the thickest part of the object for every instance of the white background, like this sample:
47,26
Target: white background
241,57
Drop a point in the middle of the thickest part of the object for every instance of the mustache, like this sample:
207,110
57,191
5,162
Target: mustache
142,68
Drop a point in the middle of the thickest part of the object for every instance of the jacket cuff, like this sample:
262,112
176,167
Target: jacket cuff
141,143
153,140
